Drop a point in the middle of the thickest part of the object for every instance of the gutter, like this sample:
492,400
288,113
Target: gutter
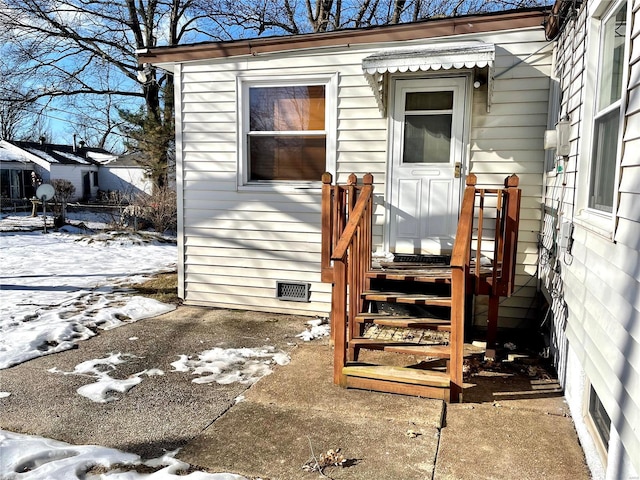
437,28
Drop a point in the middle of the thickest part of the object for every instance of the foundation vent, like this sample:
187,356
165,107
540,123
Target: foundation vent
293,292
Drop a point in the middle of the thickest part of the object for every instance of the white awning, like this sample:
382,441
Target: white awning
439,56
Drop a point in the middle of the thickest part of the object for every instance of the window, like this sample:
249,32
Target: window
599,417
607,112
287,131
95,179
427,130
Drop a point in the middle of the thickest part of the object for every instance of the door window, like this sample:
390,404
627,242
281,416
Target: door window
428,119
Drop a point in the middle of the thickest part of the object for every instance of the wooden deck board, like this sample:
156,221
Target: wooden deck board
401,321
399,374
408,298
436,351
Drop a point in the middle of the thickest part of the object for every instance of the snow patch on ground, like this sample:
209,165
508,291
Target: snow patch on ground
26,457
104,384
229,365
317,328
59,289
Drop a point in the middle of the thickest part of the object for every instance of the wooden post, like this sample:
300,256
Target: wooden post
338,319
456,339
492,326
511,225
326,271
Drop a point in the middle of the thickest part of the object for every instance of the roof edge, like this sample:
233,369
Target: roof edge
432,28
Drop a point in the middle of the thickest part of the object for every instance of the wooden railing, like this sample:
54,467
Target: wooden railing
460,286
505,224
346,255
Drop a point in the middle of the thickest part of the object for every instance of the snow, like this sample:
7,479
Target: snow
317,328
59,288
98,391
71,156
63,287
26,457
224,366
41,154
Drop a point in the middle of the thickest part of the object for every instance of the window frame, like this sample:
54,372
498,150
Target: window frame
594,425
597,220
244,83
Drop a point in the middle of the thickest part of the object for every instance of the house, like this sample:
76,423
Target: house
590,254
90,170
123,174
15,174
75,163
258,122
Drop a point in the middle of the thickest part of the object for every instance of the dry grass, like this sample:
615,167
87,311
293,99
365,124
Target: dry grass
163,287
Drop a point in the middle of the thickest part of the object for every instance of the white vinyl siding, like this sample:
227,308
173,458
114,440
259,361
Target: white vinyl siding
509,139
236,243
594,289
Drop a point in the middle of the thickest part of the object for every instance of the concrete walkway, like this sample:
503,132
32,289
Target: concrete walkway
511,427
297,410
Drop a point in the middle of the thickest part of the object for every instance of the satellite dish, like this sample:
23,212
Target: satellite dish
45,192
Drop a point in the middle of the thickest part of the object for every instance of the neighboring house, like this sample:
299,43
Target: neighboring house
77,164
590,260
258,121
123,174
90,170
16,171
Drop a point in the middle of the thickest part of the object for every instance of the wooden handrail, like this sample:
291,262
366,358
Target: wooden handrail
461,254
460,265
355,219
346,256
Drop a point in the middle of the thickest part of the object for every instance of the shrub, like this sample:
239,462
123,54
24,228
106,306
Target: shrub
64,192
158,210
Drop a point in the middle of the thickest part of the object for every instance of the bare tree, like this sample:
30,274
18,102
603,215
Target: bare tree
79,50
16,112
85,51
250,17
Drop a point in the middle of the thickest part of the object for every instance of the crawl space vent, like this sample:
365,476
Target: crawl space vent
293,292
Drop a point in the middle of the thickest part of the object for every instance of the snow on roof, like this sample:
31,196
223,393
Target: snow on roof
7,154
41,154
101,157
74,157
64,154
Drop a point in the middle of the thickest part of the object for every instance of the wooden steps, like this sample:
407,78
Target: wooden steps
413,274
435,351
405,297
424,330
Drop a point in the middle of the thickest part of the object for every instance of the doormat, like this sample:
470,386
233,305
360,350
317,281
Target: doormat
418,258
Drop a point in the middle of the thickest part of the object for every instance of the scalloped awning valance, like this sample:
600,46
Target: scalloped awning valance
438,56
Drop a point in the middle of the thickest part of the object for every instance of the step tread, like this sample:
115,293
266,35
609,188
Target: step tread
439,351
376,342
414,275
404,321
412,298
399,374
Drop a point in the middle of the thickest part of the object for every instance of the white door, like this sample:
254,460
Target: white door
426,165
